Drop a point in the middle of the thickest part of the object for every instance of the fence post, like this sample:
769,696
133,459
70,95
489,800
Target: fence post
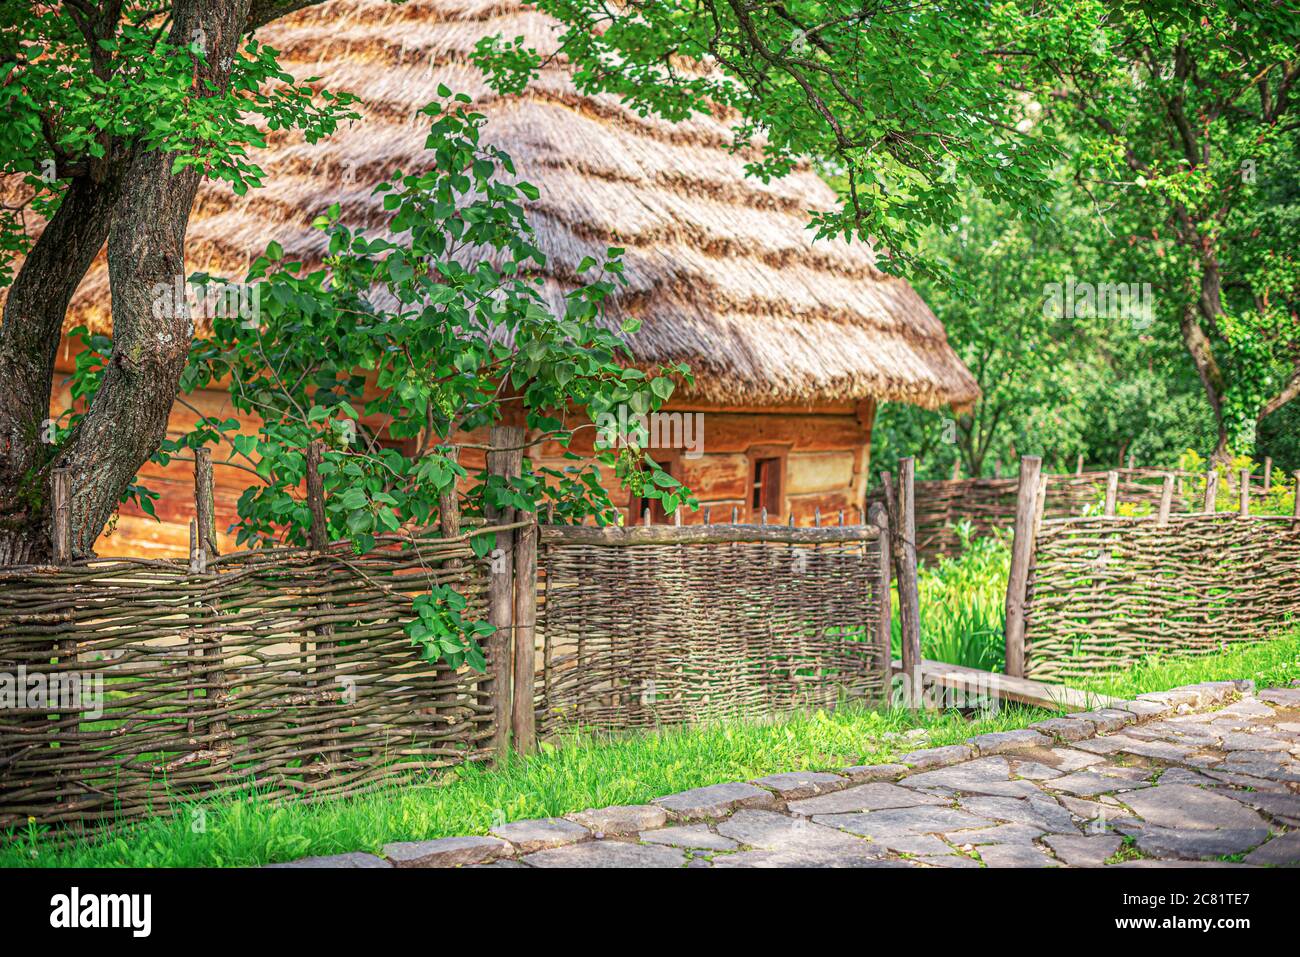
1166,499
879,517
1022,554
61,512
504,459
909,601
1211,491
1295,512
318,534
1268,473
1112,491
1078,465
1243,494
204,505
523,722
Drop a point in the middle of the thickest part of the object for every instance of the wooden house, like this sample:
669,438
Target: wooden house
793,343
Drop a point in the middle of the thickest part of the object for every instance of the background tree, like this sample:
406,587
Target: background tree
1056,383
1187,123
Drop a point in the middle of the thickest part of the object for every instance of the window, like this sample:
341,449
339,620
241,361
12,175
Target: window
766,482
766,490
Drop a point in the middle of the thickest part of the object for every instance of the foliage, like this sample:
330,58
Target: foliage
425,338
1280,499
1055,382
909,103
77,93
1274,663
1186,135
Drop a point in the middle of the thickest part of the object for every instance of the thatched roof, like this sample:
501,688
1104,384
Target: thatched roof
722,270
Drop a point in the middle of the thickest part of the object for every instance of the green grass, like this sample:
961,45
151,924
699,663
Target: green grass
1269,663
586,771
963,604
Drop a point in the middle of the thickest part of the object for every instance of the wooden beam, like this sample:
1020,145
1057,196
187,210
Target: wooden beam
1008,687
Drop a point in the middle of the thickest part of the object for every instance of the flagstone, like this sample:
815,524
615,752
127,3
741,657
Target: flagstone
1077,850
1186,807
865,797
693,836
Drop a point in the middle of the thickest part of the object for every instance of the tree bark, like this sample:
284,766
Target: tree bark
29,342
144,219
127,419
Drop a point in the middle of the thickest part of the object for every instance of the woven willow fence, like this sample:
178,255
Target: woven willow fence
1087,594
659,625
1104,592
282,670
135,684
990,503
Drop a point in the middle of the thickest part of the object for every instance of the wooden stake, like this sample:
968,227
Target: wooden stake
319,532
879,517
909,599
1295,512
1112,491
1078,465
1268,473
1243,496
1211,491
523,722
204,507
449,502
61,513
504,459
1166,499
1022,556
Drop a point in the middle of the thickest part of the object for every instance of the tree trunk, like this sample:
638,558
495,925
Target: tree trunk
127,418
29,342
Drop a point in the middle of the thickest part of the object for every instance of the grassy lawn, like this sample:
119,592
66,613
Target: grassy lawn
1269,663
586,771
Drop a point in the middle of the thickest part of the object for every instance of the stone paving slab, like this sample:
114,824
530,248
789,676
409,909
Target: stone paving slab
1202,776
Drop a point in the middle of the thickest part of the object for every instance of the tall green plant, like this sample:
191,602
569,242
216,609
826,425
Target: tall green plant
429,333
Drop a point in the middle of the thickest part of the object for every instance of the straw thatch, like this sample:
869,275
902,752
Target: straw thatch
722,270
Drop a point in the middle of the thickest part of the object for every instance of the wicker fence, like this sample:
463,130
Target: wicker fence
141,683
128,685
653,625
1104,592
1099,593
990,503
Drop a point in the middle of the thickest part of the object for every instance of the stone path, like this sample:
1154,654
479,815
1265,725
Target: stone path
1207,773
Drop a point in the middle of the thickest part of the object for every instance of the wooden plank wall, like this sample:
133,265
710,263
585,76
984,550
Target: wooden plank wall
827,455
